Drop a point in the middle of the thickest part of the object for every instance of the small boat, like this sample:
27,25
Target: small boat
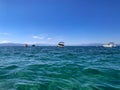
33,45
26,45
110,44
60,44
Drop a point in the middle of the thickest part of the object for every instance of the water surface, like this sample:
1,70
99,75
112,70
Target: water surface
52,68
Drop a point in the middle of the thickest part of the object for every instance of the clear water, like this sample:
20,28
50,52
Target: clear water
52,68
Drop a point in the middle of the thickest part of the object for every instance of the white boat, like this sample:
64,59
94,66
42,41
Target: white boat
60,44
111,44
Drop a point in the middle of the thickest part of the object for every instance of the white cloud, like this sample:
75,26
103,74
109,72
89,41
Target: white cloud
38,37
4,34
49,38
5,41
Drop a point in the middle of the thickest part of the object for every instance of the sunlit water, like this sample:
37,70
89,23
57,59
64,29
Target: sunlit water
52,68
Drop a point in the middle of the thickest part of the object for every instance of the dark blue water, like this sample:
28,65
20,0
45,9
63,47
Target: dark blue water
52,68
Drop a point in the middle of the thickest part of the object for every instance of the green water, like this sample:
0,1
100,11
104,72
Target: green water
52,68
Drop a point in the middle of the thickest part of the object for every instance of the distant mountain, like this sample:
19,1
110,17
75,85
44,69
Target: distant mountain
11,44
20,44
92,44
41,44
118,44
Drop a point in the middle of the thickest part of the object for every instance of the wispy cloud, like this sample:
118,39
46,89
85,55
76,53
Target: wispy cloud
49,38
5,41
4,34
38,37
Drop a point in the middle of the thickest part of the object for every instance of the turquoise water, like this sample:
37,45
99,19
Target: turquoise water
52,68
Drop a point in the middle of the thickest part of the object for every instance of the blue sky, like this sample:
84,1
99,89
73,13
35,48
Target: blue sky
49,21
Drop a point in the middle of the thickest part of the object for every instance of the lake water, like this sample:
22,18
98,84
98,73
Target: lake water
52,68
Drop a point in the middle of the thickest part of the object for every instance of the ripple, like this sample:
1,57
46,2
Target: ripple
52,68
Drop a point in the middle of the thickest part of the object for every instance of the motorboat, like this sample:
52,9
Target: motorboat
110,44
60,44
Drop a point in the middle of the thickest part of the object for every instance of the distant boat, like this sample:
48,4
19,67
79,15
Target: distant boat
33,45
60,44
110,44
26,45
